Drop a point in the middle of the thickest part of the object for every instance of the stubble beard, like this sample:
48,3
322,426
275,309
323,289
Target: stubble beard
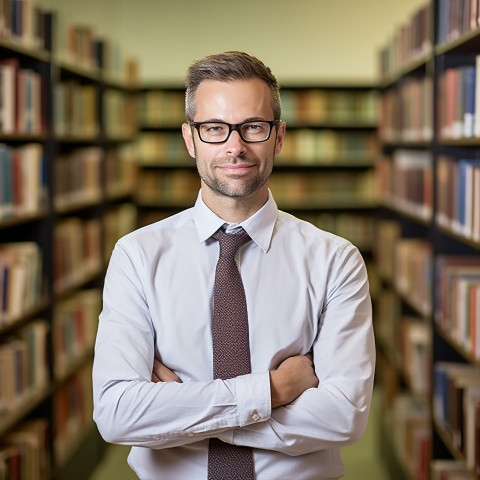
226,188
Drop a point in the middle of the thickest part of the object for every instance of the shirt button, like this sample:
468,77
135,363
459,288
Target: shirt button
190,434
255,417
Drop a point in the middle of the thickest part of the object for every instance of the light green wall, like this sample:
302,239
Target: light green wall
301,40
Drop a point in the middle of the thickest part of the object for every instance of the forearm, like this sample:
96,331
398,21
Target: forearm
320,418
164,415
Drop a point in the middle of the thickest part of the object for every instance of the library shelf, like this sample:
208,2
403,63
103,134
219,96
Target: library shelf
24,407
460,349
13,324
413,66
469,42
23,219
441,241
39,229
331,133
455,453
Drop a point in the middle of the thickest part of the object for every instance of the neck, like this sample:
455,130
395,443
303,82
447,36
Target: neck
234,209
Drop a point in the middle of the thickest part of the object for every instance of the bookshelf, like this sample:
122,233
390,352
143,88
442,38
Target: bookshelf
428,244
324,174
67,173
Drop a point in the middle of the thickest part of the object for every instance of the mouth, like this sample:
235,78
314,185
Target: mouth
237,168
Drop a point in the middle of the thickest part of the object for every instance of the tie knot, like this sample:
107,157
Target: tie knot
230,242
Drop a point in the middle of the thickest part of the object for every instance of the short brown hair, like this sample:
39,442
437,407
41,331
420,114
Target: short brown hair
225,67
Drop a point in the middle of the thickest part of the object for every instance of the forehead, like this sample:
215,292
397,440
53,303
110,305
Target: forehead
233,101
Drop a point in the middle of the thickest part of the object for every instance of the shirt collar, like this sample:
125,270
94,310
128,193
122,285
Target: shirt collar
259,226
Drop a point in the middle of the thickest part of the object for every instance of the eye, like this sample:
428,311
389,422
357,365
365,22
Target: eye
214,128
256,127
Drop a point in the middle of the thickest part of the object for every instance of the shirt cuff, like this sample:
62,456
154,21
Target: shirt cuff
252,394
253,398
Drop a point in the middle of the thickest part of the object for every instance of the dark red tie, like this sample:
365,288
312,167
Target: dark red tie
231,352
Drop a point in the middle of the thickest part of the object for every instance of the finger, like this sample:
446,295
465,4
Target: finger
163,373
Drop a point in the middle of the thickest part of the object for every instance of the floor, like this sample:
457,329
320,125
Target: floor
361,460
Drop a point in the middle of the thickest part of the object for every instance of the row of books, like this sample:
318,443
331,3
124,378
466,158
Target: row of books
317,106
318,147
74,327
458,204
162,148
78,254
407,263
359,229
411,41
120,112
405,182
77,177
24,366
456,18
387,328
334,189
414,268
387,233
456,408
416,354
121,170
21,279
81,45
22,108
73,412
24,21
412,440
75,109
407,342
25,452
457,300
22,180
459,102
406,111
168,188
161,108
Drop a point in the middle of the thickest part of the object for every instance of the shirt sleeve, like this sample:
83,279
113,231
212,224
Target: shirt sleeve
336,413
128,407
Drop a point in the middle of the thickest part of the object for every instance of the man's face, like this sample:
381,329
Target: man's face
234,168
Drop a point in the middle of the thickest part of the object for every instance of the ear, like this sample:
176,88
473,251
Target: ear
280,136
188,137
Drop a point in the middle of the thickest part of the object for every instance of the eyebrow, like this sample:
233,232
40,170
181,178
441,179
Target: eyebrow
250,119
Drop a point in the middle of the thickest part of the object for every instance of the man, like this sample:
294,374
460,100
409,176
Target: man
308,361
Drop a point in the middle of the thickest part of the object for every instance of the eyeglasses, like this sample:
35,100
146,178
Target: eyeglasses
219,132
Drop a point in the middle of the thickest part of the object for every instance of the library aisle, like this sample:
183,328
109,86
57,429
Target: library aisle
362,460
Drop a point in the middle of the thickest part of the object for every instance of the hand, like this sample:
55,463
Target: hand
291,379
163,374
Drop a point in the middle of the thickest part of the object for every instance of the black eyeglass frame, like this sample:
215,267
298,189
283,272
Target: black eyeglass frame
235,127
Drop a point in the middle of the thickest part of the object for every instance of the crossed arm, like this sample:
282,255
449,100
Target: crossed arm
295,418
293,376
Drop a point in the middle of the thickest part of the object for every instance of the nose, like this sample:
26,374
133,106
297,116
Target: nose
235,146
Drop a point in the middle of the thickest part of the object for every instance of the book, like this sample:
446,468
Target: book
8,94
24,360
30,439
74,328
22,279
456,308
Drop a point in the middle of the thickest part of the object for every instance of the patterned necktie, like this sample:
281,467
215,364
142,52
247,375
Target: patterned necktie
231,352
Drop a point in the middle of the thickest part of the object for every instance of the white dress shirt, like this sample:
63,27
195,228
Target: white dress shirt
306,290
